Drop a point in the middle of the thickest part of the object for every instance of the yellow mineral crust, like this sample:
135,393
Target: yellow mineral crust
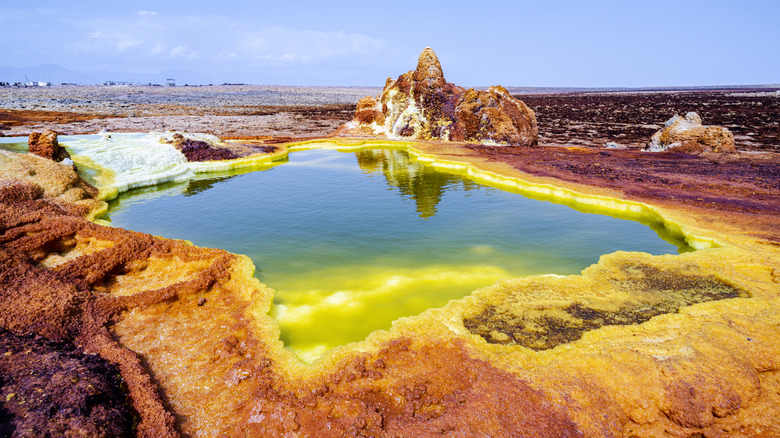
638,345
58,182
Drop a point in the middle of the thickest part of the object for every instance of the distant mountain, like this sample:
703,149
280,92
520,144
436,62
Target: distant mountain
47,72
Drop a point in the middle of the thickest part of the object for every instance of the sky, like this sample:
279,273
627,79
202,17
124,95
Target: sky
479,42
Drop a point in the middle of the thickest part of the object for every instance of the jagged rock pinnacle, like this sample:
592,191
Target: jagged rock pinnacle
428,66
420,104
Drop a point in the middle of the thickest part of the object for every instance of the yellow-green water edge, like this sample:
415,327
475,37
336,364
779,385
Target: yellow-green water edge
353,241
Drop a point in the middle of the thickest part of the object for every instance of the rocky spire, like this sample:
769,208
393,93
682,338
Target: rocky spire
421,104
428,67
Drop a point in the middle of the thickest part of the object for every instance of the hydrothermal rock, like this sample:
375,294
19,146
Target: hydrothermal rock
637,345
421,104
199,150
45,144
687,134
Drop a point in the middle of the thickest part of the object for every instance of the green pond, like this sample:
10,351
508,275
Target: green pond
14,144
351,241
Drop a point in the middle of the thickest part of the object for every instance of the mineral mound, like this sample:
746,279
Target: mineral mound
199,150
45,144
420,104
687,134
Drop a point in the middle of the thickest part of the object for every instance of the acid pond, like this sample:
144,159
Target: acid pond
352,241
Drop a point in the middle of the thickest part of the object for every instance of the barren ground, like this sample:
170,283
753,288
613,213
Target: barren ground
226,111
569,119
87,301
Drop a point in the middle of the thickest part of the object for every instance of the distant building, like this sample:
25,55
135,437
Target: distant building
37,84
171,82
108,83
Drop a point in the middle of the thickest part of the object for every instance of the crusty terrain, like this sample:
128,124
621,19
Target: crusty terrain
245,110
742,189
631,118
53,389
638,345
118,294
570,119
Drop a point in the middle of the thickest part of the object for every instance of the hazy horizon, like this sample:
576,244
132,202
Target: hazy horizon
604,44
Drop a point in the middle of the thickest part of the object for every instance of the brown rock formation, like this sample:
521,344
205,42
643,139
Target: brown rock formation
494,116
369,111
199,150
59,183
421,104
56,390
687,134
215,149
45,144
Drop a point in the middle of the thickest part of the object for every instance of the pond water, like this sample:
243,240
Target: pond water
352,241
14,144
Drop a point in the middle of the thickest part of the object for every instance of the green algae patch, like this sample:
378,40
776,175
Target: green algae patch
628,292
14,144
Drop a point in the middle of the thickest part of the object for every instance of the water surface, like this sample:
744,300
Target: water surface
353,241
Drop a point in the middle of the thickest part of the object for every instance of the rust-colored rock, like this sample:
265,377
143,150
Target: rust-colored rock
57,390
494,117
51,279
369,111
25,175
45,144
421,104
687,134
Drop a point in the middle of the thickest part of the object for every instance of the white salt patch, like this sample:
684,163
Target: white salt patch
136,160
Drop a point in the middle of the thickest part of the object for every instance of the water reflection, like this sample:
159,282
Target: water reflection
411,179
196,186
144,195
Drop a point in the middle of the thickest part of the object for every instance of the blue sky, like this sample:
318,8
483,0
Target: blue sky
514,43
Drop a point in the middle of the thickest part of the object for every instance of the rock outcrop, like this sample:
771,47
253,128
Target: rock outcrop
687,134
421,104
199,150
45,144
55,389
57,182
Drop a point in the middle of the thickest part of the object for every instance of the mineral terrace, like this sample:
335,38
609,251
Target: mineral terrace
110,332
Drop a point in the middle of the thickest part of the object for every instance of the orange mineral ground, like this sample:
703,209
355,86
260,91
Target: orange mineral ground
637,345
